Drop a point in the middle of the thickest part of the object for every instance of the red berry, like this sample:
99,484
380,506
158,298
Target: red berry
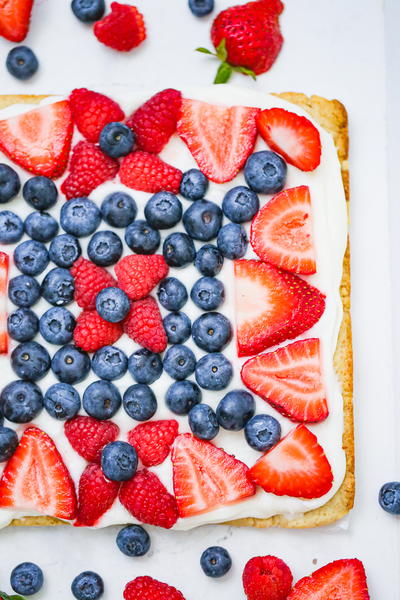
153,440
122,29
138,274
148,173
92,332
144,325
88,436
96,495
91,111
147,588
89,280
267,578
14,19
4,266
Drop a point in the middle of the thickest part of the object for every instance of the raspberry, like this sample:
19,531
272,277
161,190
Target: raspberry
153,440
144,325
92,332
96,495
145,497
89,280
148,173
123,29
155,121
138,274
88,436
267,578
91,111
147,588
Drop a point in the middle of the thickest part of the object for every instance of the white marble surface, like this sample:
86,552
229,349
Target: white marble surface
335,49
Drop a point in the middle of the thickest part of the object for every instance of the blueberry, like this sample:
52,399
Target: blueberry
87,586
31,257
172,293
109,362
22,325
235,409
203,422
24,291
41,226
179,362
21,401
119,461
389,497
202,220
10,183
58,287
232,241
133,540
140,402
105,248
265,172
145,366
64,250
26,579
118,209
262,432
200,8
209,260
21,62
141,238
57,325
80,217
182,396
116,139
177,326
215,561
178,250
163,210
194,184
62,401
212,332
30,361
88,11
40,192
208,293
101,400
112,304
213,371
70,364
240,204
8,443
11,227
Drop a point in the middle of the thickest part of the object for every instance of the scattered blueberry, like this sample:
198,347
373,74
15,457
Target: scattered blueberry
8,443
30,361
163,210
179,362
40,192
87,586
24,291
11,227
21,401
203,422
235,409
101,400
116,139
105,248
141,238
88,11
202,220
119,461
145,366
58,287
182,396
118,209
240,204
133,540
62,401
212,331
80,217
21,62
31,257
215,561
57,325
177,326
109,362
262,432
213,371
10,183
178,250
208,293
389,497
140,402
70,364
22,325
26,579
112,304
232,241
41,226
209,260
172,293
200,8
265,172
194,184
64,250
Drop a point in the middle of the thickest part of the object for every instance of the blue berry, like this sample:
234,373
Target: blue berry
200,8
118,209
112,304
177,326
11,227
87,586
389,497
22,325
70,364
62,401
64,250
8,443
140,402
172,294
22,63
110,363
21,401
178,250
41,226
215,561
145,366
141,238
101,400
119,461
10,183
182,396
212,332
179,362
265,172
58,287
262,432
80,217
40,192
208,293
202,220
232,241
116,139
88,11
194,184
133,540
57,325
203,422
31,257
105,248
213,371
163,210
240,204
235,409
24,291
26,579
209,260
30,361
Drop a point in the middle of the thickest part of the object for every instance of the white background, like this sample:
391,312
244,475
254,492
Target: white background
335,49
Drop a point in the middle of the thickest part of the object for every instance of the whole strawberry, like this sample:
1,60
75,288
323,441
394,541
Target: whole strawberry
123,29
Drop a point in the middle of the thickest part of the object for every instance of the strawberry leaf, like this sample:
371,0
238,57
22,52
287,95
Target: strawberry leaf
245,71
205,51
221,51
223,74
4,596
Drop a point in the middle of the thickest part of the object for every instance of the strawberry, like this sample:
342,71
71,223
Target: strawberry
35,478
148,173
122,29
290,379
147,588
155,121
266,578
339,580
138,274
272,306
206,477
88,168
91,111
145,326
92,332
292,136
153,440
88,436
145,497
89,279
281,232
39,140
3,302
296,466
14,19
220,138
96,495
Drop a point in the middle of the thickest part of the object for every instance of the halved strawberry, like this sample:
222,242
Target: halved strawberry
281,232
14,19
290,379
292,136
3,302
343,579
95,497
36,478
271,306
39,140
220,138
296,466
206,477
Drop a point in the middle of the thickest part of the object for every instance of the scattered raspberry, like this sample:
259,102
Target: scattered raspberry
88,436
123,29
92,332
89,280
92,111
138,274
95,497
147,588
144,325
267,578
146,172
153,440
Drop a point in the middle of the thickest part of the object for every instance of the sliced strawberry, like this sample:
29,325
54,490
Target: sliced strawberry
296,466
206,477
4,259
88,436
281,232
39,140
292,136
290,379
148,173
14,19
96,496
92,111
272,306
138,274
153,440
220,138
35,478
